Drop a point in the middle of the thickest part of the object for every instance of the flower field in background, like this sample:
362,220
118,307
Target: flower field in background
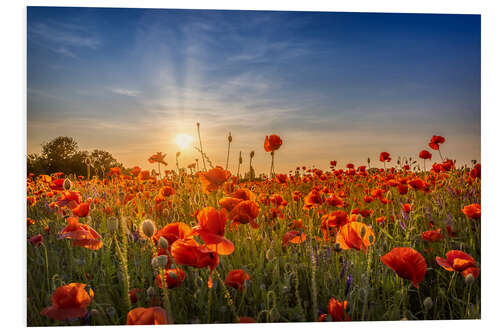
202,245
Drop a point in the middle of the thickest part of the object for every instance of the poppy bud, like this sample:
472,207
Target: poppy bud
148,228
150,292
363,232
469,279
229,138
67,184
428,304
163,243
359,218
178,154
112,224
252,154
159,261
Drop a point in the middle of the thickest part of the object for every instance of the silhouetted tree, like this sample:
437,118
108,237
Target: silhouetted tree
62,155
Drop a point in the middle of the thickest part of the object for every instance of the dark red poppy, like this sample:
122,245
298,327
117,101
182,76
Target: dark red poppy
236,279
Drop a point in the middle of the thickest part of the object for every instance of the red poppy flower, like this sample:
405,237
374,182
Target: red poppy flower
147,316
158,158
407,263
294,237
355,235
82,209
173,277
312,199
236,279
213,179
68,302
338,310
459,261
36,240
81,234
245,212
334,200
172,232
211,228
432,235
385,157
472,211
188,252
272,143
436,140
424,154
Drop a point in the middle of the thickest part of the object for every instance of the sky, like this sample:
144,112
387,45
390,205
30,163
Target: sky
333,86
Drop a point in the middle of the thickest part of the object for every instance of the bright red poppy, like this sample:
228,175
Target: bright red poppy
173,277
147,316
211,228
294,237
436,140
236,279
472,211
338,310
68,302
81,234
424,154
408,263
385,157
355,235
459,261
272,142
432,235
213,179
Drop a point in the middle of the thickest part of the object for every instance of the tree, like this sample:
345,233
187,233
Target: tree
62,155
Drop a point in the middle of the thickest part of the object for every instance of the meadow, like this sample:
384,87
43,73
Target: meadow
199,245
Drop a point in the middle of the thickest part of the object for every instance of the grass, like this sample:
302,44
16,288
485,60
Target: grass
288,284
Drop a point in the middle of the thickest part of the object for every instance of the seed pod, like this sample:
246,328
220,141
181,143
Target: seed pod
67,184
469,279
230,138
148,228
428,303
163,243
150,292
252,154
363,232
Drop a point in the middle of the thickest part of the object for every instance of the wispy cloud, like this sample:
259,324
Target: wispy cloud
125,92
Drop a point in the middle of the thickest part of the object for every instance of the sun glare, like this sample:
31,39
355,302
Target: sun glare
183,140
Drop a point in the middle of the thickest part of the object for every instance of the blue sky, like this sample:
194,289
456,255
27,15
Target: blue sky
341,86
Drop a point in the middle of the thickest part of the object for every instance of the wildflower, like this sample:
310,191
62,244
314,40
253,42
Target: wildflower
272,143
147,316
294,237
36,240
337,310
211,228
472,211
213,179
68,302
245,212
436,140
459,261
407,263
432,235
385,157
236,279
355,235
173,278
81,234
425,155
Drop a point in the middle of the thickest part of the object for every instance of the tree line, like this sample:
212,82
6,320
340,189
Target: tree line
63,155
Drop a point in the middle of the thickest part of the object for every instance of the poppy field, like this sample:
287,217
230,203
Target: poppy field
396,239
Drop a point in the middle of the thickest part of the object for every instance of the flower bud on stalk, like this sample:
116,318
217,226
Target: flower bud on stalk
428,303
112,224
163,243
148,228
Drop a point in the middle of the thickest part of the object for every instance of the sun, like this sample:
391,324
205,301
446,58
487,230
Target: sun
183,140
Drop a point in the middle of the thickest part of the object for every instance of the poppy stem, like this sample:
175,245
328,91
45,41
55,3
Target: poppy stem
228,149
439,151
272,165
166,300
201,147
